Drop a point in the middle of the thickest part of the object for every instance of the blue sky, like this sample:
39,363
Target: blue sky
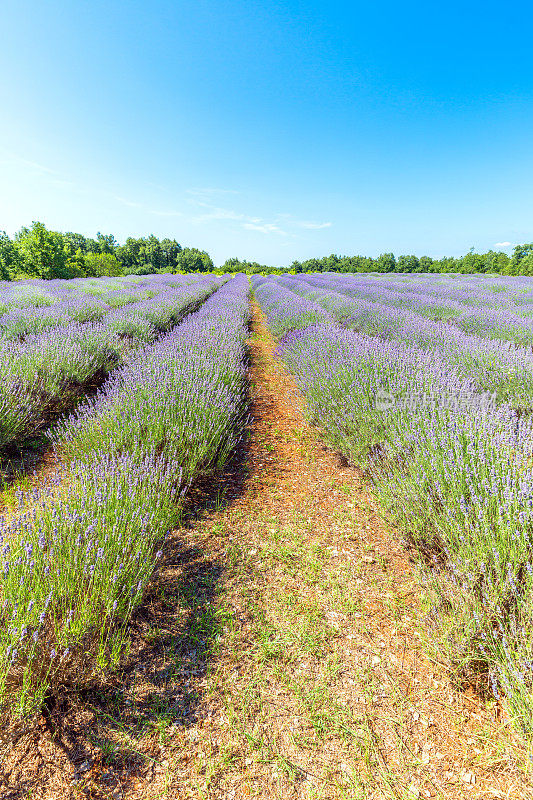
270,130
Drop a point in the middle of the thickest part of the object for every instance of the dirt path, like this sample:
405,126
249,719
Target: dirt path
278,655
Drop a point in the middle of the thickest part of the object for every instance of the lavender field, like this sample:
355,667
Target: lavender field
426,383
141,386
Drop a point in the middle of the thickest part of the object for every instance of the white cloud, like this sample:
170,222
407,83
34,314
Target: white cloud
209,192
13,158
213,213
209,212
129,203
216,213
61,184
164,213
313,226
155,211
310,225
267,227
503,244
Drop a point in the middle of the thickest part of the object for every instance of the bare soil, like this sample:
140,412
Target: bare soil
278,653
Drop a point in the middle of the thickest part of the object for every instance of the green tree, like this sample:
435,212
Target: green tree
233,265
496,261
170,250
522,266
129,254
10,260
76,241
357,264
106,243
312,265
146,255
152,253
190,259
386,262
250,267
331,263
76,263
526,265
447,264
519,253
44,253
407,264
426,264
97,265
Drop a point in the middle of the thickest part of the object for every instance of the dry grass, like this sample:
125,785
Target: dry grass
278,654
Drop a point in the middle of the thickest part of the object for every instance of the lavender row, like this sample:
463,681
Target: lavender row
493,366
473,290
451,469
285,310
44,374
37,293
477,291
76,562
29,310
504,319
127,412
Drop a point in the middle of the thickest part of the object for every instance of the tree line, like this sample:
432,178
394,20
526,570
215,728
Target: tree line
37,252
519,263
494,261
